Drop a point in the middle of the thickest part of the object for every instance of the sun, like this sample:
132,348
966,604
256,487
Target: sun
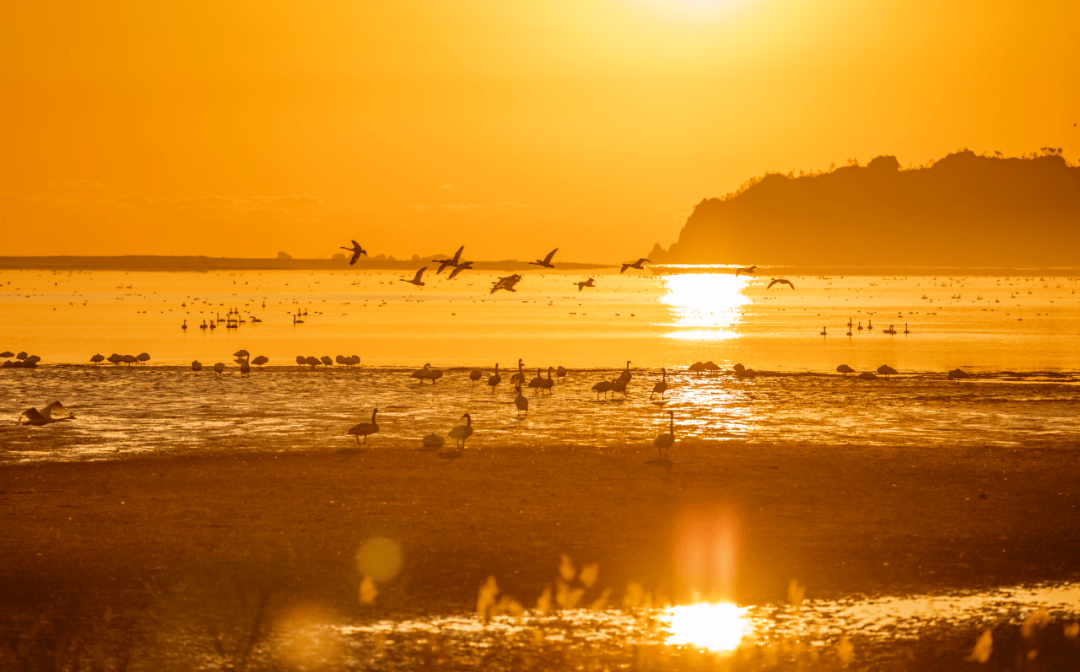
716,627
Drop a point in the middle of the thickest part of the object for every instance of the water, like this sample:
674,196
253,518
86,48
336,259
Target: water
1020,336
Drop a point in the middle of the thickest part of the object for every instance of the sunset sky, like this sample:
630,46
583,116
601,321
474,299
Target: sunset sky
245,128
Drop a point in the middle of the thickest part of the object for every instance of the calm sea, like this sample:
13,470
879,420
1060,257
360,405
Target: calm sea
1019,336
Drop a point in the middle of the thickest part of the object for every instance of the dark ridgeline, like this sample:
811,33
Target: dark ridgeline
964,210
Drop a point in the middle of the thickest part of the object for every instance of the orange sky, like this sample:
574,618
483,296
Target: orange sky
244,128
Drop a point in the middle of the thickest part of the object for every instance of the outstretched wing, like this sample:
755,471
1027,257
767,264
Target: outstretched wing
457,255
624,267
788,282
457,270
547,259
419,274
355,255
55,411
772,283
32,417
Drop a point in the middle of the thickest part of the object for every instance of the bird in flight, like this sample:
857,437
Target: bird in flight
463,266
546,261
443,263
748,270
637,264
54,412
416,281
585,283
507,283
782,281
356,252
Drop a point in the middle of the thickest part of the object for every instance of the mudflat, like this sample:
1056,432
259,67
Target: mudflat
839,519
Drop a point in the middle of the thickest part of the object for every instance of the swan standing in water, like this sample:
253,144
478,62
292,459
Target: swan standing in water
462,432
603,386
518,377
423,374
661,387
475,375
494,380
54,412
365,429
196,366
844,369
520,400
537,383
548,383
664,442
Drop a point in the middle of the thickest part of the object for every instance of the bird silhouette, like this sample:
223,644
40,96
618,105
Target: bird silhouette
958,375
54,412
782,281
196,366
453,261
664,442
637,264
508,283
416,280
462,432
844,369
475,375
586,283
356,252
463,266
661,387
546,261
886,370
603,386
365,429
96,359
494,380
748,270
520,400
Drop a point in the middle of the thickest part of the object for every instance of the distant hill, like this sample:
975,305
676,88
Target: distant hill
964,210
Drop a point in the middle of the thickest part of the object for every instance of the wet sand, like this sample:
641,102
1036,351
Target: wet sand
841,520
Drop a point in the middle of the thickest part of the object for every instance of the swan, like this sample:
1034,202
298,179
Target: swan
560,372
443,263
780,281
462,432
365,429
958,375
603,386
475,375
518,377
548,383
245,369
637,264
860,325
259,361
300,361
416,280
219,368
129,359
626,375
537,382
520,401
115,358
866,375
494,380
312,362
96,359
748,270
546,261
184,325
586,283
433,442
422,374
869,325
356,252
463,266
664,442
54,412
325,359
661,387
203,325
906,329
844,369
823,332
508,283
196,366
886,370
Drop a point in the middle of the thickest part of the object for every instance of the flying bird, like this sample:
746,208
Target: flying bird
782,281
546,261
637,264
463,266
356,252
54,412
584,284
454,261
416,281
748,270
508,283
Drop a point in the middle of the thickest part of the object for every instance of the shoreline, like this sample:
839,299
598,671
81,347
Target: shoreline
841,520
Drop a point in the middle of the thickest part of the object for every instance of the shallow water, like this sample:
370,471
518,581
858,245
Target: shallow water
1025,391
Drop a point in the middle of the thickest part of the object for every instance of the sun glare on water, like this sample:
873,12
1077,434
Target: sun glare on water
710,304
717,627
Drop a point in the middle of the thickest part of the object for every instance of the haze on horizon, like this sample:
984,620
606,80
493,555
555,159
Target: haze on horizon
589,125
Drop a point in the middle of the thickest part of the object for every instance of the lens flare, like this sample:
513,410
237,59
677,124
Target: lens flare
717,627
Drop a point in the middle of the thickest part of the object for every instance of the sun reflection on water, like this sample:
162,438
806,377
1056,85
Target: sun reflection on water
717,627
710,303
